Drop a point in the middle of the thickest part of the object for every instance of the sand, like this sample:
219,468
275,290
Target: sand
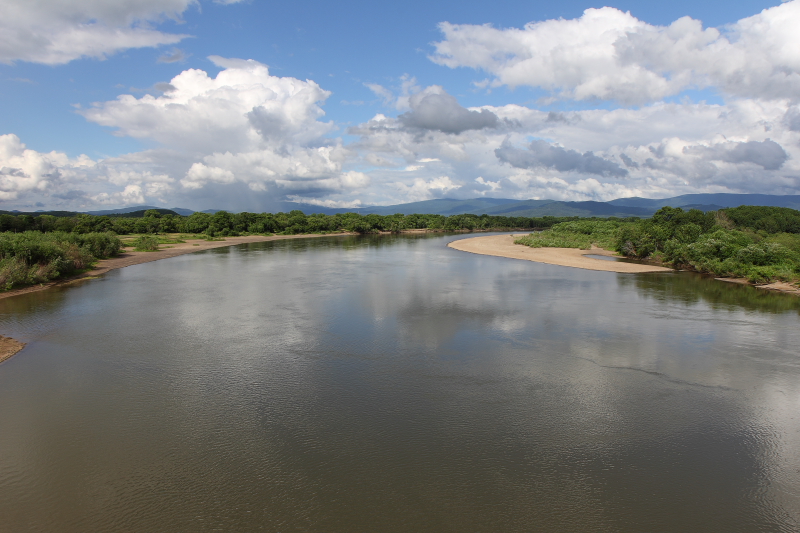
777,286
9,347
503,246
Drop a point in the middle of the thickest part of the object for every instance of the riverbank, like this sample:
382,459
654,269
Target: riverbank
503,246
130,257
9,347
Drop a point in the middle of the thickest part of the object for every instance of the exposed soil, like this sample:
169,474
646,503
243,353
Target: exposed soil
777,286
9,347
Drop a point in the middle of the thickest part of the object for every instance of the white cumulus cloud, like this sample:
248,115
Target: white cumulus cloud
243,107
54,32
24,171
611,55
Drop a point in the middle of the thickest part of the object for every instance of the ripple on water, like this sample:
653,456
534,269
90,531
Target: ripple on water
391,385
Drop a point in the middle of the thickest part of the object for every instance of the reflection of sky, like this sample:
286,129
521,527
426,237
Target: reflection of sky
304,357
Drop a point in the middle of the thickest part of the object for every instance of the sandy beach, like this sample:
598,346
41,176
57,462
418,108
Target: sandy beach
503,246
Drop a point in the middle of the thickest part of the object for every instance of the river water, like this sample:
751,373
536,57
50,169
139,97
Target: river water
393,384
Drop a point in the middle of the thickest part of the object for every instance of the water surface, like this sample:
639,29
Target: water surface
393,384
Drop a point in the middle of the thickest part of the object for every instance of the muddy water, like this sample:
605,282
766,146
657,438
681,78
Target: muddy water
393,384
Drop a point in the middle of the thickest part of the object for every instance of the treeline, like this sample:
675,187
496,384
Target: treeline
224,224
35,249
758,243
33,257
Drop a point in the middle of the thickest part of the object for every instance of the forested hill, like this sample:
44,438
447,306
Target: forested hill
622,207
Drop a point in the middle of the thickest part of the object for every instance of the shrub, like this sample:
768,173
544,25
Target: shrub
33,257
552,240
146,243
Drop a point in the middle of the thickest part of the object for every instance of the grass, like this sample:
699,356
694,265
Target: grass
550,240
580,234
146,243
33,257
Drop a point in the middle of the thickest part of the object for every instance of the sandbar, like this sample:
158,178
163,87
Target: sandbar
9,347
503,246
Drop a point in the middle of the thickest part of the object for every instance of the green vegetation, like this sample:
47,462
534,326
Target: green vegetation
758,243
761,244
146,243
35,249
224,224
577,234
34,257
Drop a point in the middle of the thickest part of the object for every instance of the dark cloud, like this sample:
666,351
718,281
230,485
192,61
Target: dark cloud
543,154
657,151
15,172
552,116
164,87
71,195
767,154
555,117
442,112
175,55
792,119
269,124
630,163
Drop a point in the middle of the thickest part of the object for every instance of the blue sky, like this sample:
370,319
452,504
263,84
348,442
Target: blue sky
383,104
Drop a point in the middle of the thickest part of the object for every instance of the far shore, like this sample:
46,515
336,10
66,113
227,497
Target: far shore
495,245
503,246
130,257
9,347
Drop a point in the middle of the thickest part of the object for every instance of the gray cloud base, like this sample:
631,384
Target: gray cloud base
543,154
442,112
767,154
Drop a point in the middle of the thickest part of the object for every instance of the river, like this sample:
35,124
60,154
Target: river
389,383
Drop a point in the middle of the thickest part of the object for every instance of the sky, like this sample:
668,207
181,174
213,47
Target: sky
240,105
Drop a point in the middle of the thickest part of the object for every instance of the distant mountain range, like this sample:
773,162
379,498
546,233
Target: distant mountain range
126,210
622,207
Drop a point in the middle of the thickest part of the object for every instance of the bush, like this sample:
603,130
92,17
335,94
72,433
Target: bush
33,257
552,240
577,234
737,242
146,243
100,244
